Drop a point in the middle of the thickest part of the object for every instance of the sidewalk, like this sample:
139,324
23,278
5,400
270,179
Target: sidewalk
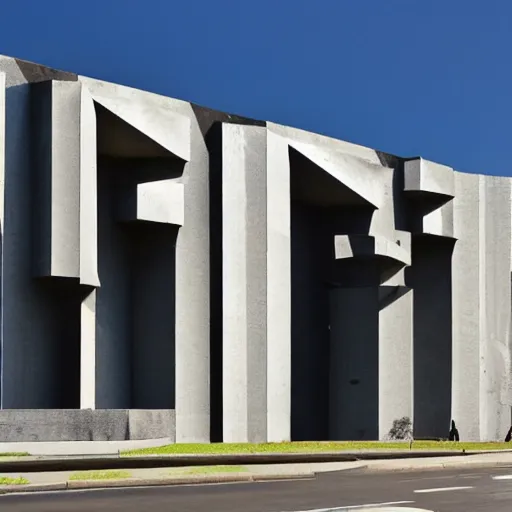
144,477
68,480
475,460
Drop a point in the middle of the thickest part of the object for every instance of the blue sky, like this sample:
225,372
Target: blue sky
410,77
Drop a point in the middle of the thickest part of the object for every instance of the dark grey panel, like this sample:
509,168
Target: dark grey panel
431,279
354,364
207,118
311,255
37,73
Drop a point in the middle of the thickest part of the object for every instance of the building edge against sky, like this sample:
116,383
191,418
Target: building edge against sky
170,271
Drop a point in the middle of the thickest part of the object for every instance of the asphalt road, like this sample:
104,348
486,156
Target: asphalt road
438,491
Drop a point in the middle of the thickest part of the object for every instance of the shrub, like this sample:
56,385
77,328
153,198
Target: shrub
401,430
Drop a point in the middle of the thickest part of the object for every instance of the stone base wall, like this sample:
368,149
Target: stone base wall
53,425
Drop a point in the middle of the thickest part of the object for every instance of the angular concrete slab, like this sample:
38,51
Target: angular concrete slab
168,129
362,177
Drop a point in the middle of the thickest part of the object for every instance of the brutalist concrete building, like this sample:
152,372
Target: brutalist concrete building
169,271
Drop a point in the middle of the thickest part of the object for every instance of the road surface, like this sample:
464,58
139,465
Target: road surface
439,491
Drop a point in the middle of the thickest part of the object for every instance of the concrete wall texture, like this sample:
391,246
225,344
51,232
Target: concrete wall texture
169,270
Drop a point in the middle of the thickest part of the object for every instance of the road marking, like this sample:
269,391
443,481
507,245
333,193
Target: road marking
274,480
502,477
372,506
393,509
444,478
442,489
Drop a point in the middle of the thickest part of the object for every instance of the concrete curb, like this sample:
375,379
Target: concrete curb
8,489
428,466
153,482
24,465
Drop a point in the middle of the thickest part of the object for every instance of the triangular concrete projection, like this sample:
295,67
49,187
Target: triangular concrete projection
168,129
362,177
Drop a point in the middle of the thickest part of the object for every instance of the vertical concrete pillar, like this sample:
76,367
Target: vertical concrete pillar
354,364
88,192
88,352
88,245
495,295
193,298
56,109
395,356
2,190
466,307
256,286
278,290
245,275
235,386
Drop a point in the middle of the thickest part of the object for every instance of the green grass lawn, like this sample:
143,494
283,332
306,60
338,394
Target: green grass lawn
14,454
7,480
303,447
100,475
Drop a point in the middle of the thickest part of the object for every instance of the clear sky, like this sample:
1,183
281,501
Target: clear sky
410,77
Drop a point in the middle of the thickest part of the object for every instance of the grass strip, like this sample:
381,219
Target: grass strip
100,475
312,447
6,480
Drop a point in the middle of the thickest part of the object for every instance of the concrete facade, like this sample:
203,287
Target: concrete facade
172,271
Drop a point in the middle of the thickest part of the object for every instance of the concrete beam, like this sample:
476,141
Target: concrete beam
155,201
428,177
439,222
161,201
354,246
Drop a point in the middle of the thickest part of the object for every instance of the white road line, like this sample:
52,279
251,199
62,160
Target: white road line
442,489
502,477
370,505
443,478
393,509
357,507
